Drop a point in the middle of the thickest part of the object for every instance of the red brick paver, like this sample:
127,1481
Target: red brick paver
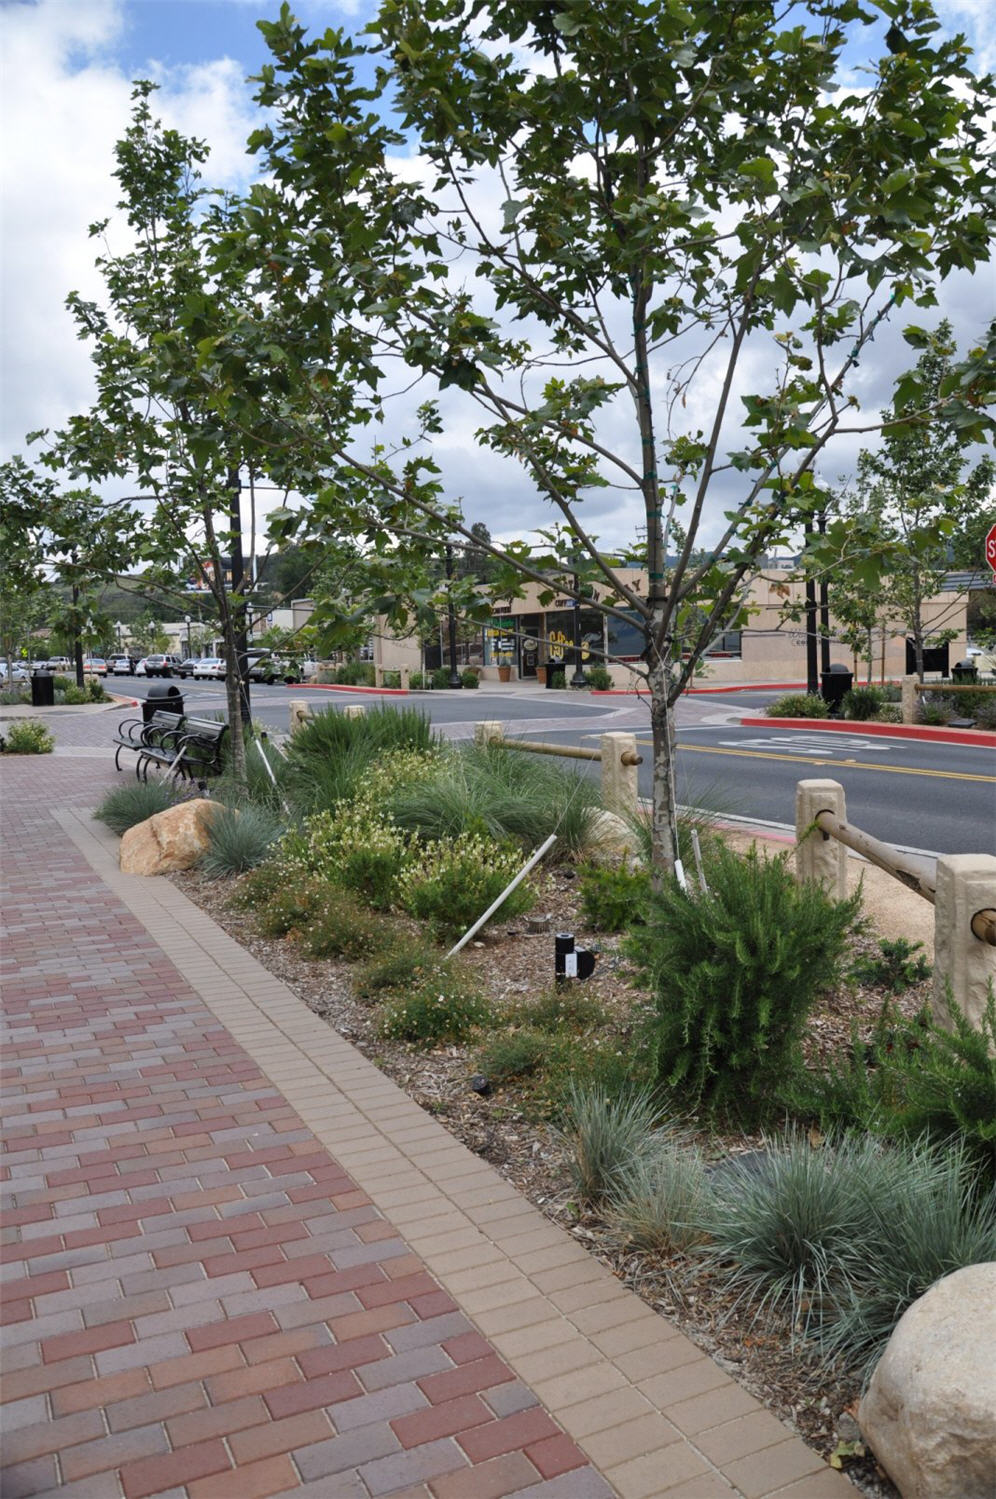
199,1299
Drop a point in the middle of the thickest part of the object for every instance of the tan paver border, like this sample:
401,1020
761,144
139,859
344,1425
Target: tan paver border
653,1413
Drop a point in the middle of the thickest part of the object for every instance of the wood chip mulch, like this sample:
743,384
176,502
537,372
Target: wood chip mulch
514,963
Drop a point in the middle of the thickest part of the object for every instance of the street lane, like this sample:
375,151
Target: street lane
913,793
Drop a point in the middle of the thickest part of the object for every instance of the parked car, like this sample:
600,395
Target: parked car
56,663
210,666
188,668
121,666
265,667
18,673
96,666
161,666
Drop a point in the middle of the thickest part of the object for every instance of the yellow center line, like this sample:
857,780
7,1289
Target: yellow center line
895,770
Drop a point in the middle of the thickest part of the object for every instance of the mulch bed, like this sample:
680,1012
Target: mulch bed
513,963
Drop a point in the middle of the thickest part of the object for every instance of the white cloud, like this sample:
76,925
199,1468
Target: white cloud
65,103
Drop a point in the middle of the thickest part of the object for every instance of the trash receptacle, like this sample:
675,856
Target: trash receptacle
162,697
835,684
965,671
42,689
554,669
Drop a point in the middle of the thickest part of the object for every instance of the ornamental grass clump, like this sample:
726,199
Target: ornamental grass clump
239,839
733,974
329,757
126,806
603,1134
453,881
660,1199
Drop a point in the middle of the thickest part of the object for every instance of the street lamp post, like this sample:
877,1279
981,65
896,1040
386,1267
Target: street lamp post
451,618
187,622
578,679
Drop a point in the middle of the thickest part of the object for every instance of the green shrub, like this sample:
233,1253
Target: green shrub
985,713
890,713
61,683
95,691
126,806
292,907
392,679
603,1135
28,736
440,677
934,710
613,897
339,925
445,1008
862,703
416,681
258,886
239,840
75,696
733,975
514,1054
661,1199
407,963
599,678
567,1008
798,705
897,967
355,674
452,882
469,678
928,1220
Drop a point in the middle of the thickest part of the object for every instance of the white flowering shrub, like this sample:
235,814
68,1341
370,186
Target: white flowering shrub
450,883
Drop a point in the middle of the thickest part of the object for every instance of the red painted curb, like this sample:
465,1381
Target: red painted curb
341,687
888,730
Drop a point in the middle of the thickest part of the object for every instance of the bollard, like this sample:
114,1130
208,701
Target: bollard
300,712
488,731
406,677
819,857
619,783
378,675
966,884
908,700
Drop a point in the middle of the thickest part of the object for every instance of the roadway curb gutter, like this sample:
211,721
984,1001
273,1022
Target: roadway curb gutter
886,730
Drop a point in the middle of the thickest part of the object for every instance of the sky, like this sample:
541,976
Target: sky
67,69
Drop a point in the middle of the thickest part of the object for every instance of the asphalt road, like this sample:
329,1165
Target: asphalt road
935,797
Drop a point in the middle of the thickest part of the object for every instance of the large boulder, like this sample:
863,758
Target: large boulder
174,839
929,1414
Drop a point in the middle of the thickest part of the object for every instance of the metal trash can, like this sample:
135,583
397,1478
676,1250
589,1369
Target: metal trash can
42,689
554,669
162,697
965,671
835,684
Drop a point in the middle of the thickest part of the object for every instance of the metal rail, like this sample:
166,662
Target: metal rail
567,751
912,872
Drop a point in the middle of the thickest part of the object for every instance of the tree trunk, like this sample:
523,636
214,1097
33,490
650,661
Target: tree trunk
77,638
664,824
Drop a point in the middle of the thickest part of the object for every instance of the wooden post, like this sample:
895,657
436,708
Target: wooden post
966,884
489,731
908,699
619,781
818,856
300,712
355,710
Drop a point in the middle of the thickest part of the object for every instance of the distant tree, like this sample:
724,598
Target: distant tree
914,492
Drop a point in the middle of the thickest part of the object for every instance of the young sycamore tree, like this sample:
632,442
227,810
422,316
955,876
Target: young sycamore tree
640,247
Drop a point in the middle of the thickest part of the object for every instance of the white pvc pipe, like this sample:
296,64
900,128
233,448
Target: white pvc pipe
504,895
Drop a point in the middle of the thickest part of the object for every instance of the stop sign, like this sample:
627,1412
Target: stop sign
991,547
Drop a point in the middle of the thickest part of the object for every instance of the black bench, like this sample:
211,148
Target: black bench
189,748
136,733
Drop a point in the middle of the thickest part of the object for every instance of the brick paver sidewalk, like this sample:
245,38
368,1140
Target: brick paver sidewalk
238,1262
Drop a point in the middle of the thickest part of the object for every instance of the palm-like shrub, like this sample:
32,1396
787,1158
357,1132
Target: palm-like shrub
502,794
733,975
